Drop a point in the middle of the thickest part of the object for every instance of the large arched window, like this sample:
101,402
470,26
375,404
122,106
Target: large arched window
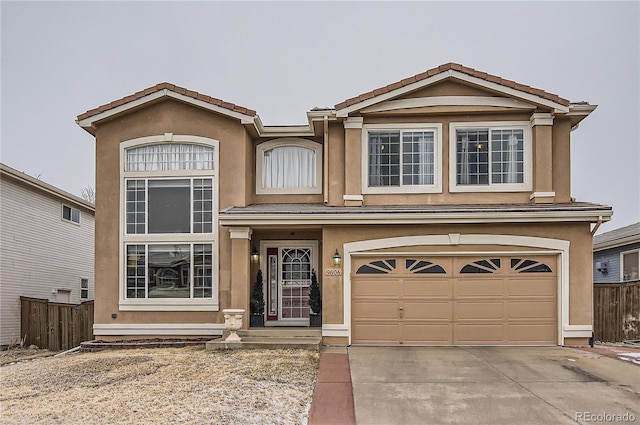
169,223
289,166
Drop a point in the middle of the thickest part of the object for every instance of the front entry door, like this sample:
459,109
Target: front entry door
289,278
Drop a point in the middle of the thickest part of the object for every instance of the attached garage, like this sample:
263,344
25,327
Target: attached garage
454,300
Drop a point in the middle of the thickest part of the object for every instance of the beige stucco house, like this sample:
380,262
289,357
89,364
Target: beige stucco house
445,195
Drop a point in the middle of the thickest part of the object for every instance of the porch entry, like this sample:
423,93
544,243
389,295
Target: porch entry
288,277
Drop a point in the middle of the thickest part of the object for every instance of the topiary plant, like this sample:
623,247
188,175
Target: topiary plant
315,298
257,298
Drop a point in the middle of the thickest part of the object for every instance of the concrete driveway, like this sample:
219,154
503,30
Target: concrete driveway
491,385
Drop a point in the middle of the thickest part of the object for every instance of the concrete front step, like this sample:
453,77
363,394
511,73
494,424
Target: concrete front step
267,343
279,332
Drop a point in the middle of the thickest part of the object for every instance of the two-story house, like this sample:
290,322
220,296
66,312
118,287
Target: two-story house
46,247
436,210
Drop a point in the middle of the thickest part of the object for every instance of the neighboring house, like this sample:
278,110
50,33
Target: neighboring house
616,255
46,247
445,196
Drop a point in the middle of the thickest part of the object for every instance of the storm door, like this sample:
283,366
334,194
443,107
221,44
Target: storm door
288,280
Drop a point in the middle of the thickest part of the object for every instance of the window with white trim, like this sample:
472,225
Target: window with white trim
84,288
401,159
169,224
289,166
490,157
70,214
630,262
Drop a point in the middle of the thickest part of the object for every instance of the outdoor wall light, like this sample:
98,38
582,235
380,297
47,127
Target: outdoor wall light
255,255
337,259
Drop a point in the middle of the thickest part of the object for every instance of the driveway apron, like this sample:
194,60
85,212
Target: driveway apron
491,385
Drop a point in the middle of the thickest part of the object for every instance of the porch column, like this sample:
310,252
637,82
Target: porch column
542,125
241,270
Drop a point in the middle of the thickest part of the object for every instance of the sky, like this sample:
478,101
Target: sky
60,59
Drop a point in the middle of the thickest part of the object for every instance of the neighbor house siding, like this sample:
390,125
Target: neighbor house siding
612,255
40,252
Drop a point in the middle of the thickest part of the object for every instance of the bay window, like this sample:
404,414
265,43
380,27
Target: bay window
169,224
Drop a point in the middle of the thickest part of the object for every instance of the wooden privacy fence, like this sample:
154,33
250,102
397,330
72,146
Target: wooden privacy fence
55,326
616,311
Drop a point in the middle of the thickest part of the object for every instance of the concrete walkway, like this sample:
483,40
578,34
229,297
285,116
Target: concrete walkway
491,385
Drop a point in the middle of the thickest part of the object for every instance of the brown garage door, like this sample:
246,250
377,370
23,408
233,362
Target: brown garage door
490,300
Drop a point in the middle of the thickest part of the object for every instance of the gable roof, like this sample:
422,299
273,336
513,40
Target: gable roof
450,69
618,237
172,87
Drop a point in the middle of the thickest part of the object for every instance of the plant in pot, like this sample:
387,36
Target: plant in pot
256,318
315,302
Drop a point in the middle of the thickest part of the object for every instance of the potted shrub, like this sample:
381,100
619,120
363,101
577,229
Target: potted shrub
315,302
256,319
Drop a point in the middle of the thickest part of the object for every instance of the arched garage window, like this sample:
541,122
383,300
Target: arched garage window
288,166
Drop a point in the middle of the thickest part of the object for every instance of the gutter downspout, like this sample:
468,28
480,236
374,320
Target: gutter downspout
325,162
597,226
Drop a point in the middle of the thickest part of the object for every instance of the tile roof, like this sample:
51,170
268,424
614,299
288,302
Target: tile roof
174,88
453,67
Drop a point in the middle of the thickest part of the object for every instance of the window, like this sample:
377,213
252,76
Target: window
169,220
288,166
84,288
490,157
70,214
399,158
170,271
630,266
169,206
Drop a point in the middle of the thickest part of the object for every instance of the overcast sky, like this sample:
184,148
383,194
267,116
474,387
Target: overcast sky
60,59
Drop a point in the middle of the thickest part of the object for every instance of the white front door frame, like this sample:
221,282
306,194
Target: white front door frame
279,244
551,246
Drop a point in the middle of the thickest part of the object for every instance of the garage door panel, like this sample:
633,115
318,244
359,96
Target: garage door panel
377,310
532,287
479,310
532,333
479,333
372,288
427,310
431,333
431,288
474,287
532,310
376,333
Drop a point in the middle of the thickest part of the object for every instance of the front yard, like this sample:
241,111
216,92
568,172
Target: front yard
155,386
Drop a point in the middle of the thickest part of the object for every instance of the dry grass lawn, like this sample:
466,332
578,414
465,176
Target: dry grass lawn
161,386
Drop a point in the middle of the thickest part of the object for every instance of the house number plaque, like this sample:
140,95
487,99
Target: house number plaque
333,272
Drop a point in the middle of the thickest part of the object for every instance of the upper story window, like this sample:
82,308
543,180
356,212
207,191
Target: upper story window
401,159
169,206
70,214
289,166
490,157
